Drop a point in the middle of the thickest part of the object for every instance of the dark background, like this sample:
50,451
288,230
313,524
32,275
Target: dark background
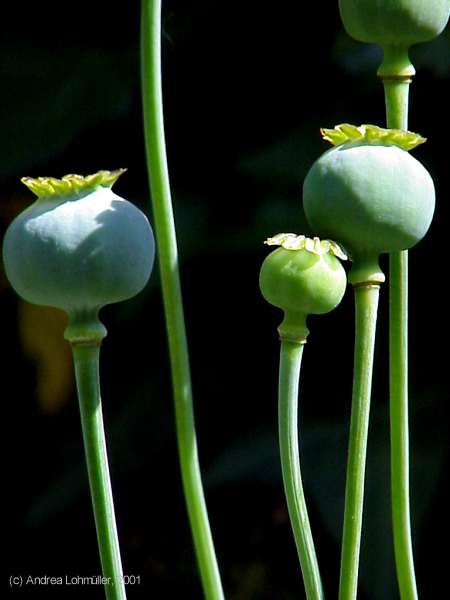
247,85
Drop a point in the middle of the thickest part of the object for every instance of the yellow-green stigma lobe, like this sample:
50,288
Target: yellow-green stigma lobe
71,184
291,241
372,134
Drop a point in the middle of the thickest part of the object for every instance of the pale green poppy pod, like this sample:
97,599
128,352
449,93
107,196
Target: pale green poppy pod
79,246
399,23
303,275
370,194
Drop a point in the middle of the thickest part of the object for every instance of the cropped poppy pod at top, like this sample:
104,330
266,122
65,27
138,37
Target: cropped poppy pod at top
394,22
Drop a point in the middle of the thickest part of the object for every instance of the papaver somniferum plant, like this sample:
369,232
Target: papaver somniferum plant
78,247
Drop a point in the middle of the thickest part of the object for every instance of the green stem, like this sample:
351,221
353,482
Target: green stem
366,303
396,96
173,306
290,362
398,340
86,361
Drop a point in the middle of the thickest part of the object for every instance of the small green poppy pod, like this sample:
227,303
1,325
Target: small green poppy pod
394,22
302,277
79,246
368,192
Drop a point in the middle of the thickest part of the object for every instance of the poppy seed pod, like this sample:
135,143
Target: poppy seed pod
302,277
394,22
368,192
79,246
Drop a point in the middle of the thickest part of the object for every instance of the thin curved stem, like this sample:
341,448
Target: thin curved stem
396,96
86,362
290,362
173,306
366,303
